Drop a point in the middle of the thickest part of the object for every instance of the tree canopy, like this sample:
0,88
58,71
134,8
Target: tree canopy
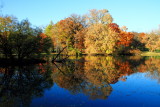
20,40
92,33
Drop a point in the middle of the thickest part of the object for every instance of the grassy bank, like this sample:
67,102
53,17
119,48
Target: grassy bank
150,54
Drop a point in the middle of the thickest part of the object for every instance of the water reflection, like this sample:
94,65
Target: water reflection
151,65
20,84
91,76
75,77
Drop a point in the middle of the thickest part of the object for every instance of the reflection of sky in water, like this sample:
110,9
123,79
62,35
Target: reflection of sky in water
137,90
88,82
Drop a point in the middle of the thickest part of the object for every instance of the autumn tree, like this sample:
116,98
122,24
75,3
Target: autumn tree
151,41
103,36
20,40
114,27
100,38
124,42
94,32
106,37
45,43
80,34
98,16
68,32
124,39
137,41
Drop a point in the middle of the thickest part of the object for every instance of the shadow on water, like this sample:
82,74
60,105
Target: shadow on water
91,76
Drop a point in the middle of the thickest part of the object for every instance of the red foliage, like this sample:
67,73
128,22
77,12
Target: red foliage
42,35
41,68
124,68
125,38
79,40
114,27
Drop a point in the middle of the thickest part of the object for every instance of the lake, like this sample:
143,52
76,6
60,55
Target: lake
89,81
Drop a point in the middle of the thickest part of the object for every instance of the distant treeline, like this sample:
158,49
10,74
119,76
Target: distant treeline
92,33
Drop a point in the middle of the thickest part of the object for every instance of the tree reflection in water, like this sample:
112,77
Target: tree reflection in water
90,75
93,75
20,84
152,67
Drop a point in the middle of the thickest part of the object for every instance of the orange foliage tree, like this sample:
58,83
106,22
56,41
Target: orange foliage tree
94,33
124,38
45,43
68,33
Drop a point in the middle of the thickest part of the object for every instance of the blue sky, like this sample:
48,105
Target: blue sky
137,15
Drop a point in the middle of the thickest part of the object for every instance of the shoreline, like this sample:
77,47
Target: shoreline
5,61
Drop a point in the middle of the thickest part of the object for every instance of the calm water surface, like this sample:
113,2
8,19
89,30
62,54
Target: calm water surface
83,82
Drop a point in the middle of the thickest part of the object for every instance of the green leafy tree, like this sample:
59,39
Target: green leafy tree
48,29
21,41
